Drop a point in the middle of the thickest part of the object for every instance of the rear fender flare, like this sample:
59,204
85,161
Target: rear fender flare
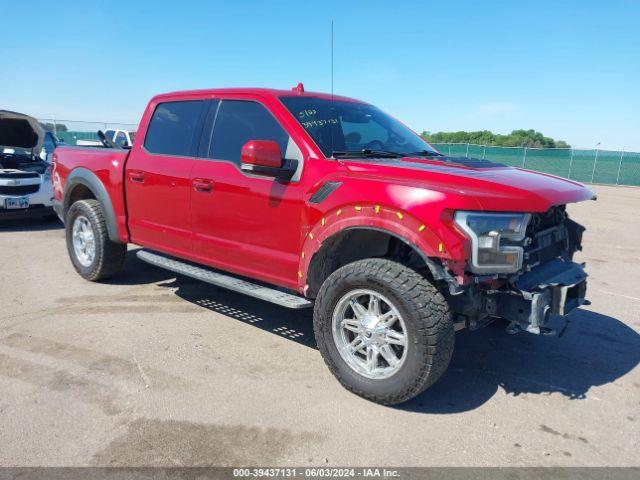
85,177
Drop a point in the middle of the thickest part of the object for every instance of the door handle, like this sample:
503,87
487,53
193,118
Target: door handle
203,185
136,176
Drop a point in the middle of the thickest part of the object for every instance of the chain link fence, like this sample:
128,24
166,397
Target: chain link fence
588,166
75,132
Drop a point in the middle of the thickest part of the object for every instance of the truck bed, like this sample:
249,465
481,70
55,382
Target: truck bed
105,163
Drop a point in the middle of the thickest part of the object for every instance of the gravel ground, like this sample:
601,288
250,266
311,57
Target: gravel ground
150,369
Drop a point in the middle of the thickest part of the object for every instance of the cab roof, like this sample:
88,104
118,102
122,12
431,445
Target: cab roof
263,92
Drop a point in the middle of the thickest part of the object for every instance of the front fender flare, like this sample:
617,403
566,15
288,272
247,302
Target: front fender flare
374,217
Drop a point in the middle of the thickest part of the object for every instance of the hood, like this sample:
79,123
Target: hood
494,186
20,131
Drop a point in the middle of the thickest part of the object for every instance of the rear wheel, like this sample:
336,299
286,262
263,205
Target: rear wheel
384,330
93,254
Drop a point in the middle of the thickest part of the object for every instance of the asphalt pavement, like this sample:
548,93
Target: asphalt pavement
151,369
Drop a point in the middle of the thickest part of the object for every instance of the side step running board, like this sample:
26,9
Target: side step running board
225,281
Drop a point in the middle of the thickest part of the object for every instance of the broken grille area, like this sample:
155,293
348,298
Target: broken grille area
547,237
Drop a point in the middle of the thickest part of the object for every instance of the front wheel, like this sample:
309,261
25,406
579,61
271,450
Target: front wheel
383,329
94,256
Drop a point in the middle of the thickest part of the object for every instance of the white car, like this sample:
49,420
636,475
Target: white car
25,173
122,138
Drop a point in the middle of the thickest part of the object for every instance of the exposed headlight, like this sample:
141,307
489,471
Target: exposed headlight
491,235
47,174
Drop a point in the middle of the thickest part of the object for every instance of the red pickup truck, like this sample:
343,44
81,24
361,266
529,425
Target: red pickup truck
307,199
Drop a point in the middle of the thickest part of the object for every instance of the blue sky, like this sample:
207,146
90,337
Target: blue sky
570,69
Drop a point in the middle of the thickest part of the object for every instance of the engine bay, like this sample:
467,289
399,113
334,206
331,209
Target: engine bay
23,162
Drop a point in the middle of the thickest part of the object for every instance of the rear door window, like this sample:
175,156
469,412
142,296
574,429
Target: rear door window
172,128
239,121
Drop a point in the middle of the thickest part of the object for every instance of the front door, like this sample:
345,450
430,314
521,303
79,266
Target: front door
245,223
158,178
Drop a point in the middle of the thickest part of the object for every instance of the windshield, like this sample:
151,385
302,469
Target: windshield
339,127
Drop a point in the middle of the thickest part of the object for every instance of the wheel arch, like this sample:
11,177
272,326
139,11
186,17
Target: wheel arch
83,184
358,242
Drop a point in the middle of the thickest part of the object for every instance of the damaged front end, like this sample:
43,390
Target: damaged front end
538,279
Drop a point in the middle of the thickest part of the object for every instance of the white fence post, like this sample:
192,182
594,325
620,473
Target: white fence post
484,151
570,164
467,154
595,162
619,167
524,158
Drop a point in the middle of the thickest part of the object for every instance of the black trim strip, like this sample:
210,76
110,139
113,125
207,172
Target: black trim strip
197,134
324,191
207,130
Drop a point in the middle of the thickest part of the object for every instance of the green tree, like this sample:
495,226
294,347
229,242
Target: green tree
517,138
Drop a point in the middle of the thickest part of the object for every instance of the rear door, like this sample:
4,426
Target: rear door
158,177
245,223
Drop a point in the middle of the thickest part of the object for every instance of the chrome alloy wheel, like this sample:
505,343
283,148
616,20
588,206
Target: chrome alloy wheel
84,241
370,334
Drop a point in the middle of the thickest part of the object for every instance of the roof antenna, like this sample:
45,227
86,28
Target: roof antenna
332,109
332,60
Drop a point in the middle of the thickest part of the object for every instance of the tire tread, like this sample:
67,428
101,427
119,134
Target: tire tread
431,310
111,255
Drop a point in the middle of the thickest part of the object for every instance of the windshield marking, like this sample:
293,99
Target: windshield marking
352,127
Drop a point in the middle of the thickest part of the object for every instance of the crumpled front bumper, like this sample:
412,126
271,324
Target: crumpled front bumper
554,288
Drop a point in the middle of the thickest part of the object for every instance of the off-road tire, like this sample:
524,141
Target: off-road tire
109,257
426,314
